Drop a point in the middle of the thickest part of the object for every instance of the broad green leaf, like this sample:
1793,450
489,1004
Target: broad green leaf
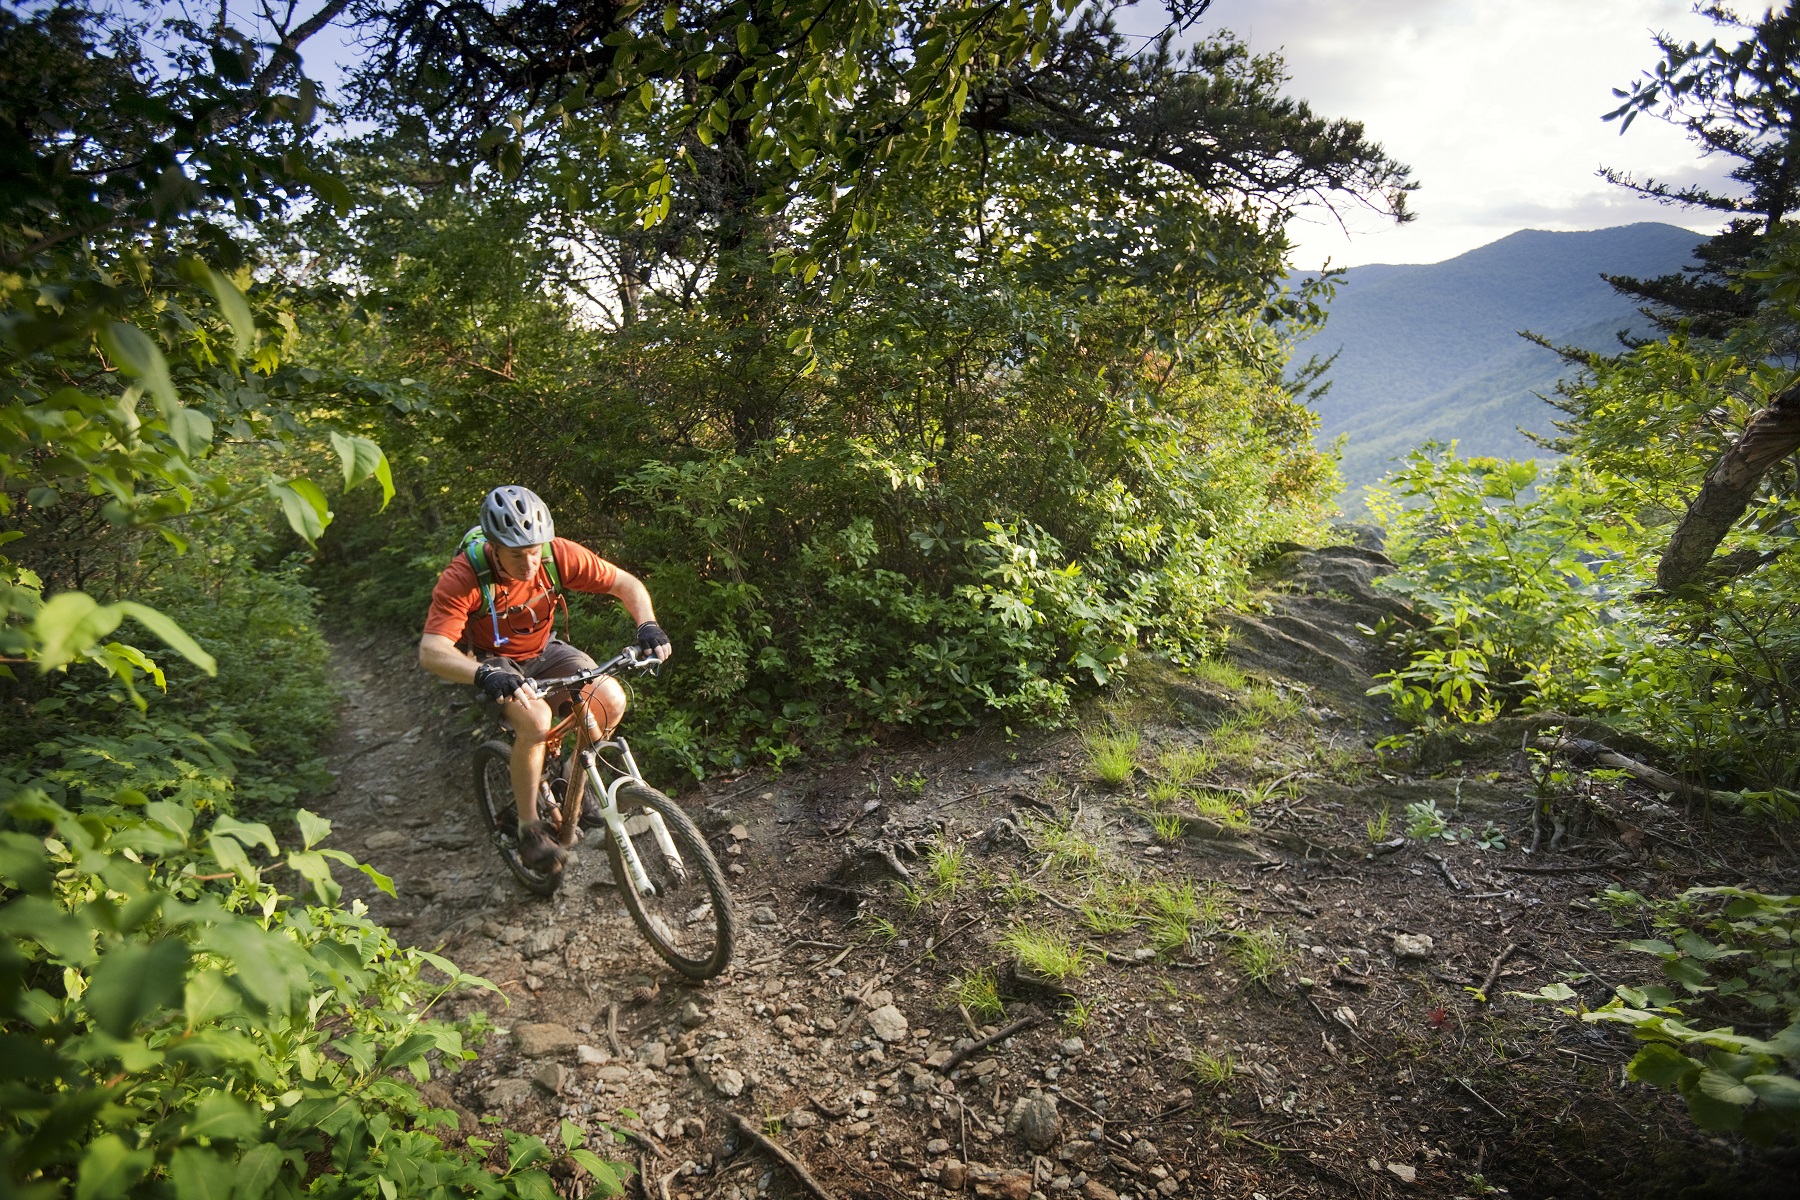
1661,1064
108,1168
172,634
68,624
200,1174
606,1177
251,833
134,981
142,359
570,1134
232,304
304,506
413,1047
256,1172
311,866
191,429
230,855
363,459
271,970
22,863
1721,1086
1777,1091
207,997
64,935
221,1116
313,828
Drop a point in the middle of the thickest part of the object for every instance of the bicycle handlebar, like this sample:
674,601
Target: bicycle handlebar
633,658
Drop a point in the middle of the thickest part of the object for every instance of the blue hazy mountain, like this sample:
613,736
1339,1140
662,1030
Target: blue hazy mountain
1434,352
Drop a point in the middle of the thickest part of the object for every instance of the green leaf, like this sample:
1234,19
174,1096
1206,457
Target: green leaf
207,997
142,359
1661,1065
256,1172
191,429
363,459
606,1178
385,883
570,1134
1777,1091
108,1168
65,936
223,1117
311,865
173,635
413,1047
304,506
22,863
134,981
1723,1087
68,624
200,1174
230,855
313,828
232,305
251,833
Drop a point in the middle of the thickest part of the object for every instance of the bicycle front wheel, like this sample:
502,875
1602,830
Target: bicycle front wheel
687,916
500,817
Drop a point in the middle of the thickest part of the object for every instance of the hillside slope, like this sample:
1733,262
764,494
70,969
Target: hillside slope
1433,352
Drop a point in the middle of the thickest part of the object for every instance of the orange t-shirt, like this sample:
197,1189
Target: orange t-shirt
527,609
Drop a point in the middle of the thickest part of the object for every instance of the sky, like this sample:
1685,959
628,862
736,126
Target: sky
1495,104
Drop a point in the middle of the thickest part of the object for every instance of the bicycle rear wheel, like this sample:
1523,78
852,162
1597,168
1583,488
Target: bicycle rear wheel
500,817
688,919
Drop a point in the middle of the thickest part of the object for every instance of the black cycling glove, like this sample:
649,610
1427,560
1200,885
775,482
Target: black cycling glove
498,683
650,636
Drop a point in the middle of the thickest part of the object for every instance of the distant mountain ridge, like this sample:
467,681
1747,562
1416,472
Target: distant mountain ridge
1433,351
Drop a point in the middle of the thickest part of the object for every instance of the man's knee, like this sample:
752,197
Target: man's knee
530,720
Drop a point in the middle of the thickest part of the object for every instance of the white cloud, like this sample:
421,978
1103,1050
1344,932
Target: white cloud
1495,104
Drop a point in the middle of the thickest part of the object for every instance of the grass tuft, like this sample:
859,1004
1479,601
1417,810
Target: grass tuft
1261,954
1046,954
1208,1070
980,994
1183,764
945,868
1113,756
1222,811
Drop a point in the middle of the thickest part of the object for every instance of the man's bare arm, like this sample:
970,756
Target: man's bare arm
439,655
630,591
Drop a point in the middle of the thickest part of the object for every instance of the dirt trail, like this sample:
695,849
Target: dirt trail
1360,1065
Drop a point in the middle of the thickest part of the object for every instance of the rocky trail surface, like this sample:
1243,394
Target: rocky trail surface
974,966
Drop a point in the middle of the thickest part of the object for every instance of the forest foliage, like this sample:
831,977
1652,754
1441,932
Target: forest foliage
928,359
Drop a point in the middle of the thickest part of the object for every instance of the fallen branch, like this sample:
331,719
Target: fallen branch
1487,985
1581,750
961,1056
798,1169
1596,870
1444,868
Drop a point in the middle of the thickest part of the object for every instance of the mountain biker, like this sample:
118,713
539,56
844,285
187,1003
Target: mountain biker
496,631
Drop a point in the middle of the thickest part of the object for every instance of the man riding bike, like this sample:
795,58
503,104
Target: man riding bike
491,623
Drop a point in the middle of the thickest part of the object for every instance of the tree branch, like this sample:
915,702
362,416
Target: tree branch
1772,435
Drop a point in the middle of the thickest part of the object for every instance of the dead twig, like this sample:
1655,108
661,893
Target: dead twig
1467,1087
1596,870
612,1030
1444,869
795,1167
1487,984
956,1060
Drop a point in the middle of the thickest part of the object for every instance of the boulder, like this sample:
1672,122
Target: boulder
508,1093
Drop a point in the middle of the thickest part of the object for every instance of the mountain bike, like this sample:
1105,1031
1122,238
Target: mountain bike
671,883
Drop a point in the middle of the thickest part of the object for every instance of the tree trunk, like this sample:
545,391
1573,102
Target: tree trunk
1771,436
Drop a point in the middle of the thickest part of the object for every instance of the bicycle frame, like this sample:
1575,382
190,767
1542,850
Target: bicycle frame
583,771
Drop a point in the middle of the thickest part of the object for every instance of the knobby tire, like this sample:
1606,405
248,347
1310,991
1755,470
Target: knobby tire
698,950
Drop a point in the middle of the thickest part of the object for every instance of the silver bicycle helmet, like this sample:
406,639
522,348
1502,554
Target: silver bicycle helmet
514,516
